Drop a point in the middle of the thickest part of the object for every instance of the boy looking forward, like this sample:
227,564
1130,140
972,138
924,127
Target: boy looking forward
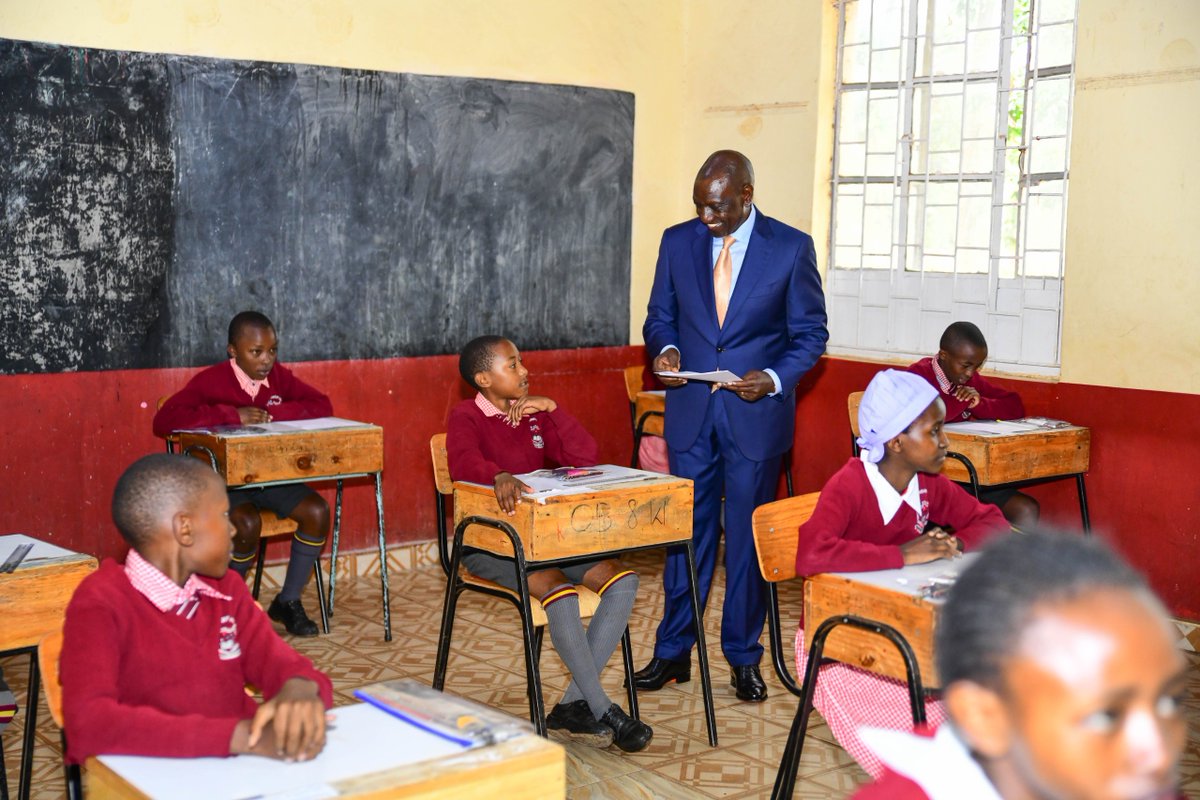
253,387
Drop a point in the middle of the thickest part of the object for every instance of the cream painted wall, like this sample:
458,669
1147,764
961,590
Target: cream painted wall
760,92
1133,219
1132,240
616,44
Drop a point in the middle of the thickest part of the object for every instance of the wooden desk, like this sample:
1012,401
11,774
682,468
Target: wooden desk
1027,456
33,601
882,597
357,762
649,411
252,460
619,518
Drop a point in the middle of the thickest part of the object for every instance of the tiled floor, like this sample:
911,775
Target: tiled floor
486,665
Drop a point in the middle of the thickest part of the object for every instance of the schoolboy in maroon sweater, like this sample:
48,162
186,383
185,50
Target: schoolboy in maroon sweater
252,387
954,372
505,430
157,651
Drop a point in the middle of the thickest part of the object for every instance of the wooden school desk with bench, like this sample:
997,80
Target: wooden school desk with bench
646,510
33,602
301,451
995,452
369,753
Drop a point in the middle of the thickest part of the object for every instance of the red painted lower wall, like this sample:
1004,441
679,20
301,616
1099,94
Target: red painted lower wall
66,438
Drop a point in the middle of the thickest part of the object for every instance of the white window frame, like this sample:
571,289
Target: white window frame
900,311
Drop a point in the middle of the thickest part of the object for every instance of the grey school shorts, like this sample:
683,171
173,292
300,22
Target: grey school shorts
502,570
280,499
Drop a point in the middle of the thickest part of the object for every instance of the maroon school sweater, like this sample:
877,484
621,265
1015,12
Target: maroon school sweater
139,681
479,447
214,396
846,532
994,402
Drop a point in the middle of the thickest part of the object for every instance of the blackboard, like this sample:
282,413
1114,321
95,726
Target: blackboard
146,198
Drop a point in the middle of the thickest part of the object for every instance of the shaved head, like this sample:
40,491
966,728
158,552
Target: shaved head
728,163
155,488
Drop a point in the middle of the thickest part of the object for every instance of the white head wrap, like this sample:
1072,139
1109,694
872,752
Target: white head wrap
892,401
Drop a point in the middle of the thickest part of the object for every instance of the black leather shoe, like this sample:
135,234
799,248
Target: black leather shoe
748,683
291,614
661,671
577,721
628,733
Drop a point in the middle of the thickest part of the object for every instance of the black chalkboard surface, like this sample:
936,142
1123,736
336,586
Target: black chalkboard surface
146,198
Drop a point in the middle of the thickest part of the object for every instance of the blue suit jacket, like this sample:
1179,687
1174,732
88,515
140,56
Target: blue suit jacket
776,319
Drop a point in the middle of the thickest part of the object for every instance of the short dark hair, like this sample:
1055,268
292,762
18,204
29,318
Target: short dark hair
477,356
247,319
150,484
995,598
962,331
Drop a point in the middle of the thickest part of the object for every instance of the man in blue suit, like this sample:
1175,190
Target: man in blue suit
739,291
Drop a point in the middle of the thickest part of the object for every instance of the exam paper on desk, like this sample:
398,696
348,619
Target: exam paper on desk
363,740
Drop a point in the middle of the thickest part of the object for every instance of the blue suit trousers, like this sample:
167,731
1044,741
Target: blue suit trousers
717,467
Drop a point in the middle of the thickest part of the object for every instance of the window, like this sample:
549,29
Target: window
949,181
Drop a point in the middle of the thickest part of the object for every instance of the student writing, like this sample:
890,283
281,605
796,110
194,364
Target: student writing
954,372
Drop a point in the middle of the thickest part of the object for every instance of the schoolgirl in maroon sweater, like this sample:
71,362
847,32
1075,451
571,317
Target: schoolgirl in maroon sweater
501,433
888,508
1062,680
157,652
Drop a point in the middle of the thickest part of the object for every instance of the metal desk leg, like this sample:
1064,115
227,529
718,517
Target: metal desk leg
1083,505
31,695
383,565
333,550
710,715
533,673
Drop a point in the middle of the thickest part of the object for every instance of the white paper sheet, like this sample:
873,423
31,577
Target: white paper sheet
994,427
42,551
910,579
318,424
717,376
545,484
363,740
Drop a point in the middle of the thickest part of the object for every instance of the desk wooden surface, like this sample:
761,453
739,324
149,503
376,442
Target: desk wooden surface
526,768
1020,457
301,455
879,596
618,517
34,598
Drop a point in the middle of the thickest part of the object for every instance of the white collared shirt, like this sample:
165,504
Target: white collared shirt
888,498
942,766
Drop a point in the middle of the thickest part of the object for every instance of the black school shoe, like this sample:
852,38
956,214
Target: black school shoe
291,614
577,721
629,734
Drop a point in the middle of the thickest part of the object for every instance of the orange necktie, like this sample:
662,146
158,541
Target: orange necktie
722,278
